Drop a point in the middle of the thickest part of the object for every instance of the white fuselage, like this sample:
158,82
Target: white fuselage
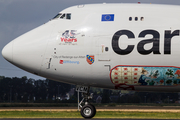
105,45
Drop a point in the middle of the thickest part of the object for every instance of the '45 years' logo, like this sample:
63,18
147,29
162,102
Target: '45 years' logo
69,37
70,34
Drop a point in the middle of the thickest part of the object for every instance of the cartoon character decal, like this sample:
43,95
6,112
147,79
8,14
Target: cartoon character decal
143,75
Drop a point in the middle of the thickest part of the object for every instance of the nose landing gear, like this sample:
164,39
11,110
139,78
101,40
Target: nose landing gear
87,110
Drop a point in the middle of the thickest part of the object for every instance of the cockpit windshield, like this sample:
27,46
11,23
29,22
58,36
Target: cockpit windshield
68,16
63,16
57,16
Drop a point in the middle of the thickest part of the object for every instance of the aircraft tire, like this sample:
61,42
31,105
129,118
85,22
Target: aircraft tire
94,109
88,111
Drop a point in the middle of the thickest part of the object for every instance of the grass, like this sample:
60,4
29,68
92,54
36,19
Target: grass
99,114
39,114
138,115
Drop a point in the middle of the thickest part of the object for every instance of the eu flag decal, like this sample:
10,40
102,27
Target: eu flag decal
107,17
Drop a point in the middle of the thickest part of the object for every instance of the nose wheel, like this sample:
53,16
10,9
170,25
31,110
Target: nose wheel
88,111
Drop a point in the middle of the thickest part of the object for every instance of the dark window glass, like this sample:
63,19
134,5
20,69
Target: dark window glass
136,18
63,16
130,18
57,16
68,16
106,48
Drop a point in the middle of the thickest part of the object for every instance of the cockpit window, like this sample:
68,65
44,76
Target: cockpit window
57,16
68,16
63,16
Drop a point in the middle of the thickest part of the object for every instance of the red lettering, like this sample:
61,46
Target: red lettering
75,40
65,40
68,40
62,39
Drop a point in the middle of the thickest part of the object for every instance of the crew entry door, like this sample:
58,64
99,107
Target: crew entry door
103,57
103,46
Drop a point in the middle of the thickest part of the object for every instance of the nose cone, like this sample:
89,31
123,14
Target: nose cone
7,52
27,51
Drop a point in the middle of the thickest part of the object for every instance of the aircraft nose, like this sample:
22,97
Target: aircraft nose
7,52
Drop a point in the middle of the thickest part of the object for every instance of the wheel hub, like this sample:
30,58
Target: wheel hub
87,111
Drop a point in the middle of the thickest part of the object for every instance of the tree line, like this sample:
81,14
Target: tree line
23,90
30,90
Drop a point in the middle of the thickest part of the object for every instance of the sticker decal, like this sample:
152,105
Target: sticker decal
107,17
126,76
69,62
90,59
69,37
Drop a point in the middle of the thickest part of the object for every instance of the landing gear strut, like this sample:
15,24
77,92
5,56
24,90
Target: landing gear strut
87,110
